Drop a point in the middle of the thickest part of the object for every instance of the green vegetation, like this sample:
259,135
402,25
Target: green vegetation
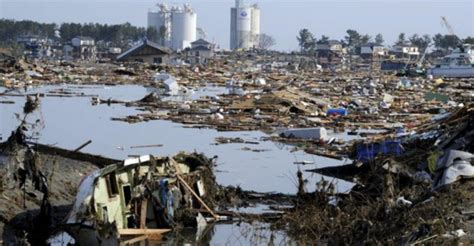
354,40
379,39
10,29
445,42
306,41
120,35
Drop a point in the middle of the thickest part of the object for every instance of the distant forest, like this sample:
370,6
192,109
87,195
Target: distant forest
118,35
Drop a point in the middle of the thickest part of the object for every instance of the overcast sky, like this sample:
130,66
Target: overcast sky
280,18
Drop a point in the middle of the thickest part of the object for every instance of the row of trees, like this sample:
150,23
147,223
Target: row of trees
119,35
10,29
439,41
116,34
307,41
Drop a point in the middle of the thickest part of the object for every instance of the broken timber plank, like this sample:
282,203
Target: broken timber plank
468,212
146,146
178,175
145,231
143,213
83,145
134,240
216,217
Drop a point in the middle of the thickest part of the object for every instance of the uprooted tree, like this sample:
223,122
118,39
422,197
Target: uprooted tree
22,158
23,163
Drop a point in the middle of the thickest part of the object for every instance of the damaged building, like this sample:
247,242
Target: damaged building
147,52
139,197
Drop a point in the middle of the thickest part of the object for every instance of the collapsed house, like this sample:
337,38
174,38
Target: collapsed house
143,196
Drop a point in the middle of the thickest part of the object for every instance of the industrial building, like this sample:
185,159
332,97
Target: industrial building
244,26
176,25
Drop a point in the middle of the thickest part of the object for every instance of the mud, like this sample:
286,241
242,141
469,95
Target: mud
64,176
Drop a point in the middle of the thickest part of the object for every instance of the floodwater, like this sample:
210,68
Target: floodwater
68,122
243,233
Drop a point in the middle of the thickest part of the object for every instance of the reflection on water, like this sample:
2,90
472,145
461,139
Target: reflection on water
242,233
69,122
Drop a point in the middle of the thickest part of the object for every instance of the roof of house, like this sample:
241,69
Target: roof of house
327,45
200,48
200,42
28,36
332,42
399,48
322,47
404,45
327,52
371,44
143,44
84,38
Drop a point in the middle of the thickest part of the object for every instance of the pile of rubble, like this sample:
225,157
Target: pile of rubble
410,188
406,177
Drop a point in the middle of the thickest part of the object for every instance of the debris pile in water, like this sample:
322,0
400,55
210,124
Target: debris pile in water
398,197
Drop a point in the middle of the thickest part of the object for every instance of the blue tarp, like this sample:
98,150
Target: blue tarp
163,191
367,152
337,111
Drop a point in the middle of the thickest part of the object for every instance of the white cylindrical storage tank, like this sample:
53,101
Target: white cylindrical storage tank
158,19
244,27
155,19
255,25
183,25
244,19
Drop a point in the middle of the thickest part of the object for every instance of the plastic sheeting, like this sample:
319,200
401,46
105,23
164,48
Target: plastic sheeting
367,152
169,82
452,166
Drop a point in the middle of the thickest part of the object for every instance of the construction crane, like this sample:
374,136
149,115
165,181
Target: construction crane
446,24
419,64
